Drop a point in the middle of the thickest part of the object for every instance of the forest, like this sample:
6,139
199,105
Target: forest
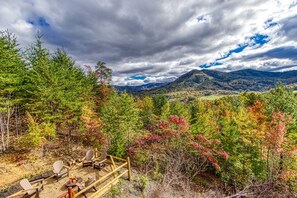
246,143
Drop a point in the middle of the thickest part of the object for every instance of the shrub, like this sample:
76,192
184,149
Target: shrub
37,133
170,139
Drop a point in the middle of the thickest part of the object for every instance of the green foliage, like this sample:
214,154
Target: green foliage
12,70
143,157
236,129
179,109
281,99
159,102
58,88
146,107
203,119
142,182
37,134
115,191
165,110
249,98
121,122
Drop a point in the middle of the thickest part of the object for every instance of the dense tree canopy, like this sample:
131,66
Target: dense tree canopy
12,81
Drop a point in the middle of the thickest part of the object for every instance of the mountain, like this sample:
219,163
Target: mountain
241,80
144,87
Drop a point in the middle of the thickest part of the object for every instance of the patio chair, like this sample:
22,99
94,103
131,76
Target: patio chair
87,183
30,190
100,162
88,159
60,169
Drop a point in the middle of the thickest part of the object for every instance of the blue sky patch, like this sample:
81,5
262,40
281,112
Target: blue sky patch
137,77
257,39
238,49
269,23
40,22
208,65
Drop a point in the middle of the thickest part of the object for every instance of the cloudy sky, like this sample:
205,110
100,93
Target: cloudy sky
146,41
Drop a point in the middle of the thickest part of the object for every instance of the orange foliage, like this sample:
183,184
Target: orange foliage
92,125
275,136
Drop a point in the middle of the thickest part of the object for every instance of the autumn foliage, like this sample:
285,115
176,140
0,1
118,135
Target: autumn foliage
171,134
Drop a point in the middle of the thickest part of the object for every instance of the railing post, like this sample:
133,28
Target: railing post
113,166
129,168
70,192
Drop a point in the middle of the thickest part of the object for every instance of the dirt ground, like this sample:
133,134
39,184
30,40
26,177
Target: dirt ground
17,165
38,164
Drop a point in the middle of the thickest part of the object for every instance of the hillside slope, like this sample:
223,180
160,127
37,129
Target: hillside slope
242,80
138,87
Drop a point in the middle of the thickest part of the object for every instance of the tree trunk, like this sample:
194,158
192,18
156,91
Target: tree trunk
281,162
2,128
7,125
17,121
267,163
272,166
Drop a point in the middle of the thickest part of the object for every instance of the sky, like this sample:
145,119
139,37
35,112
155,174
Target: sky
158,40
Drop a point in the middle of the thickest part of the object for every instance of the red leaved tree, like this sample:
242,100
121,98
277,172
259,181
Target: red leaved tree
173,136
276,143
92,124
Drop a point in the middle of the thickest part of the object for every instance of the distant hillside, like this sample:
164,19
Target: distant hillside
242,80
144,87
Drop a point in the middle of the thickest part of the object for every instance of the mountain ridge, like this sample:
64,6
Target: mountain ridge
136,88
240,80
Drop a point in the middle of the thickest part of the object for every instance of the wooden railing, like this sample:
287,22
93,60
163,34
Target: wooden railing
115,173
